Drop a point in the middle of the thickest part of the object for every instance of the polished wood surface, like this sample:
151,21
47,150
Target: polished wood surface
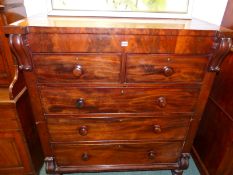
116,154
131,92
167,68
21,152
213,150
114,100
72,129
78,68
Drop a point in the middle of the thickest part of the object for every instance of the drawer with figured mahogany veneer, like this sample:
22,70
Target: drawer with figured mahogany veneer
78,68
116,153
77,100
153,68
71,129
103,43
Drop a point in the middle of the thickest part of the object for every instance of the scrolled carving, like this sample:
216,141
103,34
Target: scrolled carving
18,44
222,47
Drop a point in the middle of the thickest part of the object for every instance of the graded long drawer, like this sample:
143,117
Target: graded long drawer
77,100
115,154
154,68
78,68
73,129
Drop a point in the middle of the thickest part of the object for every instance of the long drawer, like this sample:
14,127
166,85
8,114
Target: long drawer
78,68
152,68
116,153
73,129
103,43
77,100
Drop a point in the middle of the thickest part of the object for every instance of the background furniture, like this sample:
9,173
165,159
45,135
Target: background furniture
213,146
19,143
111,95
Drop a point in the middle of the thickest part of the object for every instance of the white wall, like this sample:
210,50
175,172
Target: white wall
34,7
211,11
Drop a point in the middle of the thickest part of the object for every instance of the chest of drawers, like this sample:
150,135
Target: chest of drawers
115,96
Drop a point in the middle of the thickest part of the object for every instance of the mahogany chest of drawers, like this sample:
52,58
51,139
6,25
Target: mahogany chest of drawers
115,94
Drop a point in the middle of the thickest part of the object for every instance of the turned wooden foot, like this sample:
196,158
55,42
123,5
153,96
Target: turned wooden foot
177,172
183,163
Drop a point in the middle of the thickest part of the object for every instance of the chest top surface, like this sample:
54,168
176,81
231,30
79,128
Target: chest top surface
114,26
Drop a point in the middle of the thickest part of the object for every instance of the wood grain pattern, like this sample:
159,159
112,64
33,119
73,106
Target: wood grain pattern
95,68
67,129
146,68
13,156
56,43
116,100
206,145
106,43
169,44
121,108
115,154
8,117
215,156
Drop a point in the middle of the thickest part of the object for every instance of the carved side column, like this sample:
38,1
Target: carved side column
18,44
183,164
222,47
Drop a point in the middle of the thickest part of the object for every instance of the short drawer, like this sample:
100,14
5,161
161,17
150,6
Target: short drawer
153,68
76,100
115,154
78,68
71,129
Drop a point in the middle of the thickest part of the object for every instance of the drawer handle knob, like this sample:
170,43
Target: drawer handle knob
83,130
162,102
157,129
168,71
151,155
78,70
80,103
85,156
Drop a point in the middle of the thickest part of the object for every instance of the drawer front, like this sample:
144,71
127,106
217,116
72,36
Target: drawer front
74,100
156,68
78,68
70,129
169,44
57,43
113,154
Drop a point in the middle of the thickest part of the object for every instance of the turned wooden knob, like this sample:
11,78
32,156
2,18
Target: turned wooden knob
151,155
157,129
168,71
80,103
162,102
83,130
85,156
78,70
